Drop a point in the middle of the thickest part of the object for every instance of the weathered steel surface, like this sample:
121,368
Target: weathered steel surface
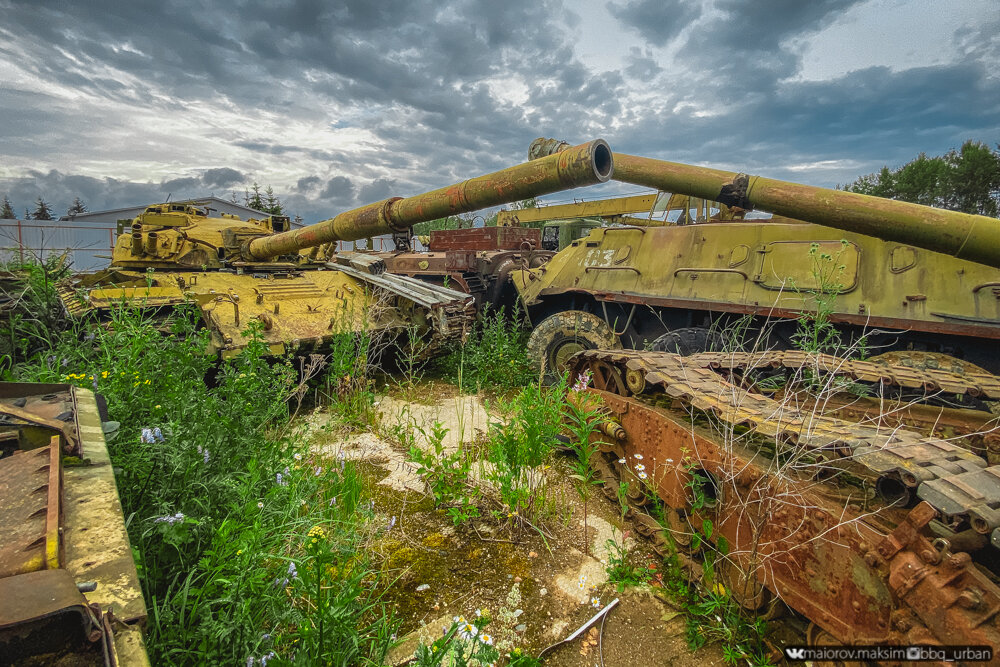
97,546
731,267
862,569
29,510
962,235
64,524
586,164
38,595
486,238
239,272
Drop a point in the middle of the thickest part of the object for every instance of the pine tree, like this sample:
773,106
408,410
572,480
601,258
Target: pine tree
76,208
252,198
265,201
6,210
272,202
42,210
27,215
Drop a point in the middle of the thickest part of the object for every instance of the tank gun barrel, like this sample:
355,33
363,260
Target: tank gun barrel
573,167
962,235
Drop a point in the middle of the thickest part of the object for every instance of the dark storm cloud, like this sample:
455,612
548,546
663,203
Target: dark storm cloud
339,189
59,189
658,21
641,64
308,184
745,50
182,184
419,88
377,190
871,117
221,177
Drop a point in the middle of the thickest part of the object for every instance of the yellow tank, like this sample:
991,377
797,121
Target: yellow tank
292,281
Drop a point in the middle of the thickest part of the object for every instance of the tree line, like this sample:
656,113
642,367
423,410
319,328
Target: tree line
966,180
42,210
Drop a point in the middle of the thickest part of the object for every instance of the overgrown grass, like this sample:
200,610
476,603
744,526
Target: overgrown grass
249,549
493,356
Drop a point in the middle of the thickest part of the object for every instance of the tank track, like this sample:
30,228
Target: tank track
956,482
861,571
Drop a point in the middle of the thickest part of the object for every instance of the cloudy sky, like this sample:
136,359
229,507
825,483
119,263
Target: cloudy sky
336,104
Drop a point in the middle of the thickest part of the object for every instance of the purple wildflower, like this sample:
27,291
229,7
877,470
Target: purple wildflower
582,381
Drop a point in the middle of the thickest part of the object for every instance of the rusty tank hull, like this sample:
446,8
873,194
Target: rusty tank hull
877,536
292,282
63,526
477,261
897,275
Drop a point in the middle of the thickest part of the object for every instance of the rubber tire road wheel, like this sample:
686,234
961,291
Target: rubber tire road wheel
559,336
687,341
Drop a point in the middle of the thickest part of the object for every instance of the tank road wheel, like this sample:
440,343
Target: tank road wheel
689,340
560,336
608,378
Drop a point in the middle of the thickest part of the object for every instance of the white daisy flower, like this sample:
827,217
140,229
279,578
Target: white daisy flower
643,475
638,456
622,461
486,639
639,467
468,631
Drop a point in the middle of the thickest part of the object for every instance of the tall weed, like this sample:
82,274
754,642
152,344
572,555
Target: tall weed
224,513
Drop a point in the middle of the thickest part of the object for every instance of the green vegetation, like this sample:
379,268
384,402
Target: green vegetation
34,320
491,357
265,201
249,549
964,180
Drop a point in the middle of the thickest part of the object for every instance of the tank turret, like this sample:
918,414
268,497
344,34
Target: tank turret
961,235
185,237
241,270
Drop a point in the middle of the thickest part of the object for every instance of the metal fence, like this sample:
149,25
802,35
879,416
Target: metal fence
87,244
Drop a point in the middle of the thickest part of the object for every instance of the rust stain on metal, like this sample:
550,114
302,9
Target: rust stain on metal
814,546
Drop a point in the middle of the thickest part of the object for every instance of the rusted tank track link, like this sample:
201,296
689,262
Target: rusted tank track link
786,488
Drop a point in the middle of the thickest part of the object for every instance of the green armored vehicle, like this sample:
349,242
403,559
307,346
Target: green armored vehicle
908,277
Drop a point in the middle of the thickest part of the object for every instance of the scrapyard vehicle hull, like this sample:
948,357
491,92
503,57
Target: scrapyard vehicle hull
903,275
645,281
877,536
68,584
476,261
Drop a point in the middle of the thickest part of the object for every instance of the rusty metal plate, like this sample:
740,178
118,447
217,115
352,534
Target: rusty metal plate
29,510
36,595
